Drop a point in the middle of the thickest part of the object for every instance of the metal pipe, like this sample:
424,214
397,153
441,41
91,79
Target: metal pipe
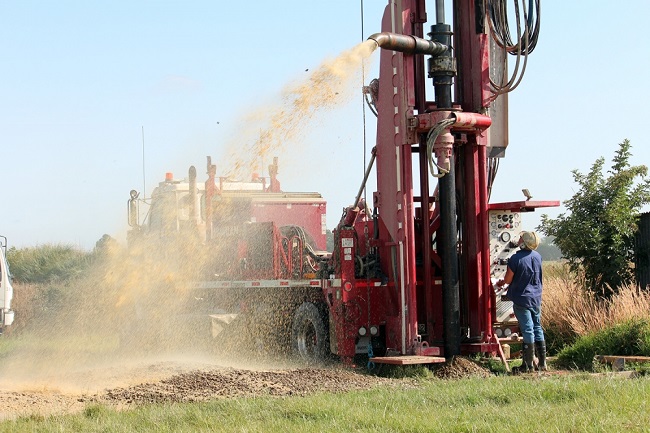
132,210
351,212
449,257
209,198
407,44
440,11
365,177
193,191
443,68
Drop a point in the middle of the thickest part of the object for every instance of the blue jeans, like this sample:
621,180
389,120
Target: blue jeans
530,323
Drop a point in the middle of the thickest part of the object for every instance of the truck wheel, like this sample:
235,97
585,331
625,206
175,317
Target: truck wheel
309,333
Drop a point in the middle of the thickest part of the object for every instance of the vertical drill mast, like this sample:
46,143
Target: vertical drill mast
421,250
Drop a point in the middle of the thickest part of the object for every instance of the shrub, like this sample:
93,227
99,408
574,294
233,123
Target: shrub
570,311
42,282
47,263
631,338
597,235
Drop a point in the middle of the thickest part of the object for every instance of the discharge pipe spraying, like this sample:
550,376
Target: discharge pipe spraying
407,44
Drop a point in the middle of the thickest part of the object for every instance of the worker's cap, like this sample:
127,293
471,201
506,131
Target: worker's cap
530,240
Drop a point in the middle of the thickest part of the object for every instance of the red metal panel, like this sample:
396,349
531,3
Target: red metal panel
471,239
476,259
394,174
523,206
344,297
473,56
473,90
486,294
310,216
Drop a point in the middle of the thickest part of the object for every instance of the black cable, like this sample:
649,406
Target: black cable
370,106
525,42
500,25
492,168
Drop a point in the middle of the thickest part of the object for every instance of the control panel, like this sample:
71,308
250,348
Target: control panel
505,227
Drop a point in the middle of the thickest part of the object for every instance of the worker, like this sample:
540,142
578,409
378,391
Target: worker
524,280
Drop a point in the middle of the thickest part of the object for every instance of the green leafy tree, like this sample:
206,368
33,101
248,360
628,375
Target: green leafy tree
597,235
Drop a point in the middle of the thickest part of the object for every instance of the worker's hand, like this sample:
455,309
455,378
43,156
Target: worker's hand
500,283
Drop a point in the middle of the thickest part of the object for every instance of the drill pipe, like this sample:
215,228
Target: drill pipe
407,44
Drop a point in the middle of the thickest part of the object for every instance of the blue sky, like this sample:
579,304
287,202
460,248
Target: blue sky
79,81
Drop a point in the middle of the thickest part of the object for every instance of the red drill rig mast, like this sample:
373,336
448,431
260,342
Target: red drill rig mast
434,248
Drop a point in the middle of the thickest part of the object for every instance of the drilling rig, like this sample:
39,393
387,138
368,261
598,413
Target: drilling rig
410,281
437,239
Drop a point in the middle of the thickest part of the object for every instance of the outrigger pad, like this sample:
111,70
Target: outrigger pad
407,360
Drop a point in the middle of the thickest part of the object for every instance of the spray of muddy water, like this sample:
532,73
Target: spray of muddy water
274,129
134,309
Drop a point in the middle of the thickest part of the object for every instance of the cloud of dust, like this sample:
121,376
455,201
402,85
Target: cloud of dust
133,308
276,128
137,306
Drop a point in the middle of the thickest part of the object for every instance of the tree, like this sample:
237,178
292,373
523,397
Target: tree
548,250
597,236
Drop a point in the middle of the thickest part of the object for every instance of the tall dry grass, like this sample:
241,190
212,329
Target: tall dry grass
570,311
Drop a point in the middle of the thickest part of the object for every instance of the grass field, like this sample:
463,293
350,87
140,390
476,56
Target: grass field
562,403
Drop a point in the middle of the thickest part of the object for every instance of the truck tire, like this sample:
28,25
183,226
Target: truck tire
309,333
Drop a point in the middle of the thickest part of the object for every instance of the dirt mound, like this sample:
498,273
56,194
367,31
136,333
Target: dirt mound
170,382
205,385
177,381
459,368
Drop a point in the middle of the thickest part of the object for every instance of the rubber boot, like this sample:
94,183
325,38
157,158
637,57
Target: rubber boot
529,358
540,351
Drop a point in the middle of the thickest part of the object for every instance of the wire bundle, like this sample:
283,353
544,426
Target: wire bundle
527,25
431,141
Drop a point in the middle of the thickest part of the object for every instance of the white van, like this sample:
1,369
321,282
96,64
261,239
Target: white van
6,290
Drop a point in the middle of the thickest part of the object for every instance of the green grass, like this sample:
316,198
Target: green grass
499,404
631,338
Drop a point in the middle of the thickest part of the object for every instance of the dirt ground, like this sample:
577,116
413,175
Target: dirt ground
172,381
93,352
182,380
